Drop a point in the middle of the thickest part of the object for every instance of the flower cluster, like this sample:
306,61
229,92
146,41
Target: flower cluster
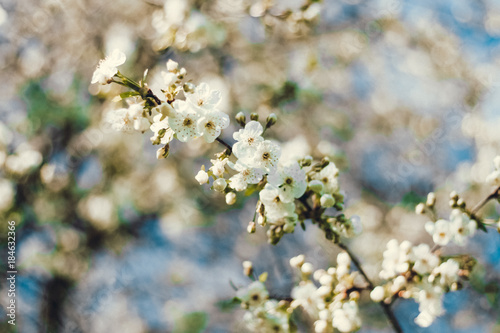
334,304
417,272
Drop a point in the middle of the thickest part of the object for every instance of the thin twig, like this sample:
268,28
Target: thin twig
225,144
493,195
386,307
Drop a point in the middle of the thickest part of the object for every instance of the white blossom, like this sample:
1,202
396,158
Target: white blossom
107,67
204,98
162,133
211,124
440,231
218,166
266,156
254,295
275,208
245,176
291,181
248,139
184,121
461,227
202,177
396,259
425,261
447,272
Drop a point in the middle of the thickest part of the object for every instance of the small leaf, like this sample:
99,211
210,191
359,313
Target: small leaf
128,94
228,304
303,225
263,277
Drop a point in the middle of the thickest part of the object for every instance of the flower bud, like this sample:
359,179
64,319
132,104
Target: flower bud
461,203
189,87
163,152
316,186
247,268
307,268
289,227
230,198
182,73
220,184
172,66
271,120
251,227
377,294
297,261
241,119
202,176
254,116
431,199
454,195
327,200
420,209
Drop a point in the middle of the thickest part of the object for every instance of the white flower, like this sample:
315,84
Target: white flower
140,122
184,121
346,318
329,177
204,98
291,181
305,295
211,124
162,132
218,167
327,200
248,139
275,208
425,260
448,272
254,295
266,156
120,120
107,67
245,176
440,231
461,226
168,78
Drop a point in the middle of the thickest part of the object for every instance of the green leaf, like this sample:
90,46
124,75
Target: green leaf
193,322
228,304
128,94
263,277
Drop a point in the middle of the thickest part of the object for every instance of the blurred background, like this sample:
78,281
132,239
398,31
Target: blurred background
402,95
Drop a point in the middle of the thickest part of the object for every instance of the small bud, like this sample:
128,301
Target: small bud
241,119
182,73
461,203
271,120
316,186
163,152
431,199
307,161
297,261
454,195
230,198
452,203
354,296
247,268
251,227
220,184
327,200
324,162
420,209
202,176
307,268
377,294
254,116
172,66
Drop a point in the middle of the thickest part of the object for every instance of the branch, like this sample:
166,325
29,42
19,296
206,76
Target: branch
493,195
386,307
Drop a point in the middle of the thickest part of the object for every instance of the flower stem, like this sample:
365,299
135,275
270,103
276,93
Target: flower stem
386,307
225,144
